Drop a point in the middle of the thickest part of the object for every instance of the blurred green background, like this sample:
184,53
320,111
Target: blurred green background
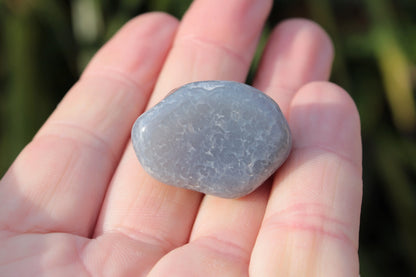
45,44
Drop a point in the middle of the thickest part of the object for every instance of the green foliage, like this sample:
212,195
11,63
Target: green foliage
45,44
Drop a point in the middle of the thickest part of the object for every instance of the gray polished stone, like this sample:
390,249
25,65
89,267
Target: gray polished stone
216,137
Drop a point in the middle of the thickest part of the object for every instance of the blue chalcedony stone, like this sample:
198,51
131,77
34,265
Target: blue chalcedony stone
216,137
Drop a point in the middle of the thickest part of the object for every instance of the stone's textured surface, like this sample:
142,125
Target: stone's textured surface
217,137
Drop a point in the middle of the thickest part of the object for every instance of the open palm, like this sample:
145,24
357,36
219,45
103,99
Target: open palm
77,203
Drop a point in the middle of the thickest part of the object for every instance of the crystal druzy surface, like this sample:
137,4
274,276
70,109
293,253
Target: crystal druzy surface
216,137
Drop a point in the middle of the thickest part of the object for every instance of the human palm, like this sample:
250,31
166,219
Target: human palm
77,203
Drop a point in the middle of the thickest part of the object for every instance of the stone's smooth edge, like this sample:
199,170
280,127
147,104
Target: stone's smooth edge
206,86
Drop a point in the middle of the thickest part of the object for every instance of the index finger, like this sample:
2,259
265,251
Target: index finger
59,180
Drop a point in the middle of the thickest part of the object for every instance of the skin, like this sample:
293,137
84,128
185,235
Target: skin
77,203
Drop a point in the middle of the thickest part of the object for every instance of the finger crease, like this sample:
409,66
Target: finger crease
111,73
309,218
223,247
77,134
199,41
152,239
325,149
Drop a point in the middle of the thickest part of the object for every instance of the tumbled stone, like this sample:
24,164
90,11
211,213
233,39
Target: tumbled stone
216,137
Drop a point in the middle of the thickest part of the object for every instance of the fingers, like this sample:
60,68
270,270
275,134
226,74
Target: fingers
225,230
58,181
312,219
211,43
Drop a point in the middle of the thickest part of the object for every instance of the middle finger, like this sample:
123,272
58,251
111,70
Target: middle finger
216,40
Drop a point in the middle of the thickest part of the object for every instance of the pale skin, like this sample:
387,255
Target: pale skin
76,201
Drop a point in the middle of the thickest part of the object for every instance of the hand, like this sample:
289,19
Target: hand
77,203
